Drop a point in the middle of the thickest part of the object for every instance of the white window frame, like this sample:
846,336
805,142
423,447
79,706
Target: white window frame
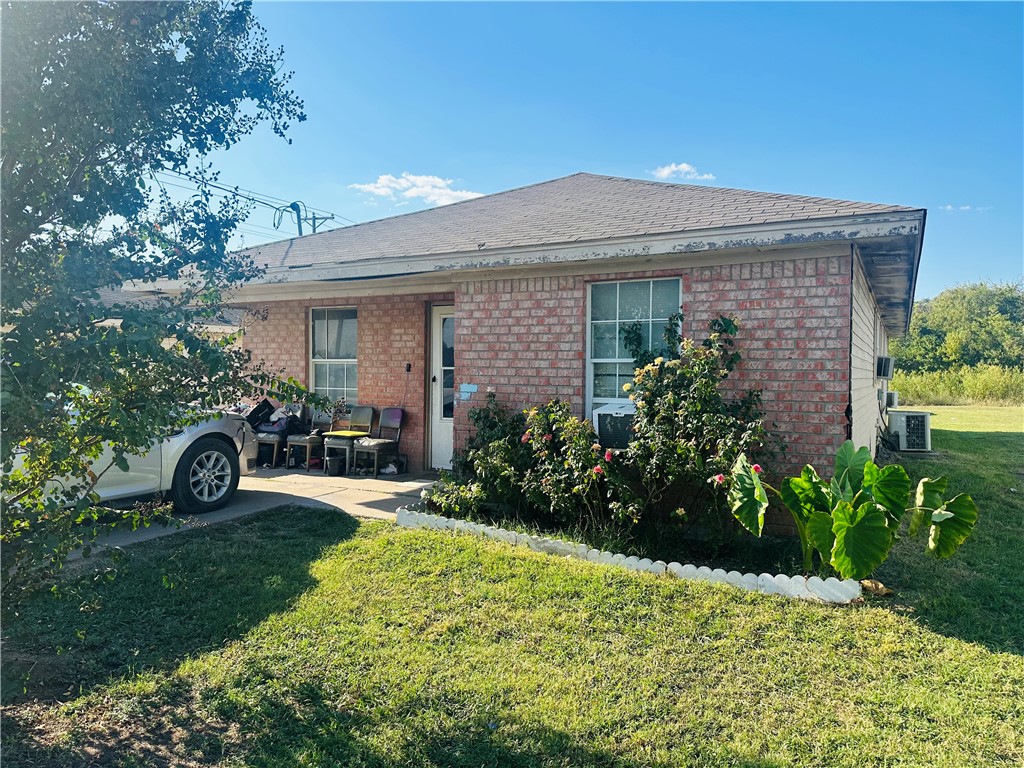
591,401
313,362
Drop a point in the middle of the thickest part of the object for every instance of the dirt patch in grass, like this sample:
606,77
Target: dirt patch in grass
160,730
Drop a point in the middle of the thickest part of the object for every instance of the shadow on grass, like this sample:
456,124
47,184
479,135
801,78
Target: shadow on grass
974,596
186,594
304,727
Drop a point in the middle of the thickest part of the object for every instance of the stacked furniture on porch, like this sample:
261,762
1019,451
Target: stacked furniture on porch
389,432
313,443
359,424
272,426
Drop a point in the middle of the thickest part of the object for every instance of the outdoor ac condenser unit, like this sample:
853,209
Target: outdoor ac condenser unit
914,429
892,399
613,423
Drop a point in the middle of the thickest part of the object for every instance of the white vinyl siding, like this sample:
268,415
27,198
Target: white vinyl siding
868,341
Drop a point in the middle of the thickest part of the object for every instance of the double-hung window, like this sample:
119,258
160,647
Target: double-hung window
613,308
333,353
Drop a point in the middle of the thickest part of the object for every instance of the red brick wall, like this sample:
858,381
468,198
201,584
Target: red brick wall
795,343
526,338
393,331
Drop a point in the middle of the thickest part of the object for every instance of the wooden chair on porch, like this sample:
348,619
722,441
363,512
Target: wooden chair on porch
389,432
343,434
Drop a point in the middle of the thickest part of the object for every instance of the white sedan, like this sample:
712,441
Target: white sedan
198,467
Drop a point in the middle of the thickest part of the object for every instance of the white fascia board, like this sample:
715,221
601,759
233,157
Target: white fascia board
900,223
749,237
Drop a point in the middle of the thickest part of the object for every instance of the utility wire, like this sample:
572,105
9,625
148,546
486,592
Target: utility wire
264,200
256,197
266,230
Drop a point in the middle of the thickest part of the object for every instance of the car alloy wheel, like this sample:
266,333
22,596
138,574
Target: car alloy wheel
210,476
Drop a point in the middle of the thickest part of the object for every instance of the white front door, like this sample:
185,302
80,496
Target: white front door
442,386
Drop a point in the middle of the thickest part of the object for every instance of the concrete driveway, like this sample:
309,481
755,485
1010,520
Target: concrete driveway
268,488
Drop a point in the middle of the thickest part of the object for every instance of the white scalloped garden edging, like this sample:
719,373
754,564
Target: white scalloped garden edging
830,590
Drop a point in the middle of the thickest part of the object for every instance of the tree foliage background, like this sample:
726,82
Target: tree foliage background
973,324
96,98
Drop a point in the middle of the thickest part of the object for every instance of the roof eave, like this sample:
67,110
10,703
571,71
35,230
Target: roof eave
899,231
754,236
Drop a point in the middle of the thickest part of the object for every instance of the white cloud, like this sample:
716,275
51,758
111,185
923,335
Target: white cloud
681,171
965,208
430,189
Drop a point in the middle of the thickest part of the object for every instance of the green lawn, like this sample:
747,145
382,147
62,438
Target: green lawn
301,637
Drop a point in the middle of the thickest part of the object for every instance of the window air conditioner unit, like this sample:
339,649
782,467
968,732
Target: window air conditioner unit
892,399
883,368
613,423
913,428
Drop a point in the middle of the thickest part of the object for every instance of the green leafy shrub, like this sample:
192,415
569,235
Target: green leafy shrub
685,428
853,520
546,468
487,472
565,485
963,385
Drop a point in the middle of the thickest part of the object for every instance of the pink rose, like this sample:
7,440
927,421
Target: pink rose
719,478
608,455
598,470
549,437
526,437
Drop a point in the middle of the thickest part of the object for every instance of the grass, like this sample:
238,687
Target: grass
979,594
301,637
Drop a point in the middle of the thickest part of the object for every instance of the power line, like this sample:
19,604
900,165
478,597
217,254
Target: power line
257,197
301,212
221,195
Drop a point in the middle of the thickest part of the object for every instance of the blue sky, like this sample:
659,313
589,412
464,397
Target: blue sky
411,105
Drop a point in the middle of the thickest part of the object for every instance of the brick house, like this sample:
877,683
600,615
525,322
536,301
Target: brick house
524,292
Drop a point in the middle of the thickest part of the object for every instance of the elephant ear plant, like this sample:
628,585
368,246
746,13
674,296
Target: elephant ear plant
853,520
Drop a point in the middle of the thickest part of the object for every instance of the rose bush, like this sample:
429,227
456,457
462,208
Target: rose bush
545,466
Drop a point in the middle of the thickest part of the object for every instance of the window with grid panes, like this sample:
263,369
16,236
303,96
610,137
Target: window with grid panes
614,307
333,354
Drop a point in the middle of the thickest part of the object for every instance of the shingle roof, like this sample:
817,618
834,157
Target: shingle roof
579,208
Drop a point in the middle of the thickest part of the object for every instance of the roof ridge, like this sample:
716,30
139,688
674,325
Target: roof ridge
736,190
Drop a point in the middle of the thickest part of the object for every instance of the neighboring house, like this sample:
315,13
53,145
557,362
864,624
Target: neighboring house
524,292
229,321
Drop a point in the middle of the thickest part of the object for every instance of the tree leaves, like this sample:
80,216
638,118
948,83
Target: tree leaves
100,99
973,324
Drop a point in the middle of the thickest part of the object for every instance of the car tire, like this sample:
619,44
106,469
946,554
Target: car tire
206,476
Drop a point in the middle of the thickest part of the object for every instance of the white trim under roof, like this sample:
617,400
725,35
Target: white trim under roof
759,236
861,228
